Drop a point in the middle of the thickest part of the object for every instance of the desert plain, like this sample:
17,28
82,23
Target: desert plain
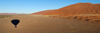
45,24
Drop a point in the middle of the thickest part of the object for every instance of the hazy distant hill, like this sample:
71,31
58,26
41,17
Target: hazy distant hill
9,13
43,12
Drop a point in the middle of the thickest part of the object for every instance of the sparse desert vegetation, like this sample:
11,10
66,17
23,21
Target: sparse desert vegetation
4,16
87,17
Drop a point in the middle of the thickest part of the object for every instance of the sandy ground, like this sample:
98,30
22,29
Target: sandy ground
42,24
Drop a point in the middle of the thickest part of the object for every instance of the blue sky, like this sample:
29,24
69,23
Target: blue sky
32,6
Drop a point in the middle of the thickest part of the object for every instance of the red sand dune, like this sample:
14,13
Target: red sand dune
79,11
79,8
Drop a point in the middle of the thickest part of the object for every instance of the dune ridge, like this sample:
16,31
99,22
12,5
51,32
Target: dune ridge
79,11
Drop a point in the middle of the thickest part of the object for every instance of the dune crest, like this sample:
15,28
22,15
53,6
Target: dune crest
79,8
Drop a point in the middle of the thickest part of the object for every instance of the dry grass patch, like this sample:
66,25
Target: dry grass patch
4,16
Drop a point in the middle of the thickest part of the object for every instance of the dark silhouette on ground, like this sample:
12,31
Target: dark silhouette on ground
15,22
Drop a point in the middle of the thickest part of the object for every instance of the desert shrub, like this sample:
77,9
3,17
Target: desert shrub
4,16
96,21
75,17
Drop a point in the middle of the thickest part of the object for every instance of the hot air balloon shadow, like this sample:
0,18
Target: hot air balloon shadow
15,22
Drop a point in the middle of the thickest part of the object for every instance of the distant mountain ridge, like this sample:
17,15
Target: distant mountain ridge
9,13
43,12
